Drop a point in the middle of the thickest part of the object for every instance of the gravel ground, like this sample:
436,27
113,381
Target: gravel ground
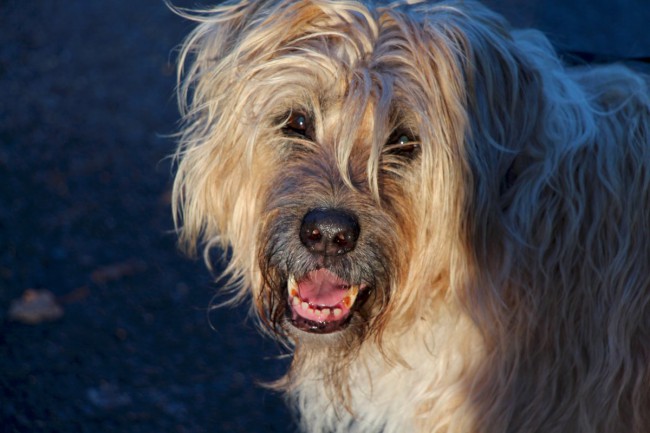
86,105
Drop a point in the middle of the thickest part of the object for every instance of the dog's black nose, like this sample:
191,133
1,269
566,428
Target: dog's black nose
329,232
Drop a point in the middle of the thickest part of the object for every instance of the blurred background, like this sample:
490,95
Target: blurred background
104,325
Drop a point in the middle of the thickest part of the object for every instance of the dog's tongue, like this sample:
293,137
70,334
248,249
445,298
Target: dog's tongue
323,288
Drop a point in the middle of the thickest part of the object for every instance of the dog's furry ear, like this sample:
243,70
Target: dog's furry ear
501,88
491,105
208,75
504,96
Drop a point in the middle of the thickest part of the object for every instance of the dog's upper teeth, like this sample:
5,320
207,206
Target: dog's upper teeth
349,299
292,286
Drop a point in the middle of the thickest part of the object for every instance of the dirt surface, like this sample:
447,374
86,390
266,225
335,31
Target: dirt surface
86,104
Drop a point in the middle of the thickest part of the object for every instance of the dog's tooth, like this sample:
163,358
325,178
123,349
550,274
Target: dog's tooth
349,299
326,312
337,312
305,306
295,301
292,286
317,312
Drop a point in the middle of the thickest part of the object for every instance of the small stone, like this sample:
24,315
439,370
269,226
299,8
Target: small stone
34,307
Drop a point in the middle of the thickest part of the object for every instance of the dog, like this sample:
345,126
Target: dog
447,225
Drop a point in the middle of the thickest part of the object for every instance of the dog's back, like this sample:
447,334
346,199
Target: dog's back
578,215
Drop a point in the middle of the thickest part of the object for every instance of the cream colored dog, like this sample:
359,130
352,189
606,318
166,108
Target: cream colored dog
450,228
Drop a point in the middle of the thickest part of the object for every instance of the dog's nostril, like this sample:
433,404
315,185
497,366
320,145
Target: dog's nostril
314,235
329,232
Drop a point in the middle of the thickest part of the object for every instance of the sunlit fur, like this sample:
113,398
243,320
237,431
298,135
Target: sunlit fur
511,256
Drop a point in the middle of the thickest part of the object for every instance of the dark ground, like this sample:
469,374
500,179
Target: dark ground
86,99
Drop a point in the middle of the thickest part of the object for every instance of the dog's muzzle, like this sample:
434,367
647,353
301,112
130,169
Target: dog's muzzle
321,301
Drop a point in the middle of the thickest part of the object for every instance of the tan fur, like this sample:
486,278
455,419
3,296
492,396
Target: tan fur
512,254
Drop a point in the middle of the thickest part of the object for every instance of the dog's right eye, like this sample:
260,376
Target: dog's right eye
402,143
298,124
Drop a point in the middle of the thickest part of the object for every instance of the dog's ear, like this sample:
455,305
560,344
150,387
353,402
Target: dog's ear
489,102
505,106
505,102
208,182
499,84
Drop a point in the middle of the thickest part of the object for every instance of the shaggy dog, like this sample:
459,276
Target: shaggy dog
449,227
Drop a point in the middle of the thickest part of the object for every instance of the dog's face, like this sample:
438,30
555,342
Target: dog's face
327,147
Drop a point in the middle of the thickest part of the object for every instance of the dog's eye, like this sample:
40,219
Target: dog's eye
403,143
403,140
298,124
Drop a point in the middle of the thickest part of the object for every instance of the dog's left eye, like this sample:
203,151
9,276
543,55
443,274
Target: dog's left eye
403,143
298,124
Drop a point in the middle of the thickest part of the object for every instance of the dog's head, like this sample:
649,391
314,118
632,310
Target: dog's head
350,159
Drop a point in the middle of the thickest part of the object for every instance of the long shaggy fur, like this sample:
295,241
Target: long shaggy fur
509,258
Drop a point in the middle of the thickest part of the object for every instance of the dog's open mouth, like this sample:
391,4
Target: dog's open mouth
321,302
